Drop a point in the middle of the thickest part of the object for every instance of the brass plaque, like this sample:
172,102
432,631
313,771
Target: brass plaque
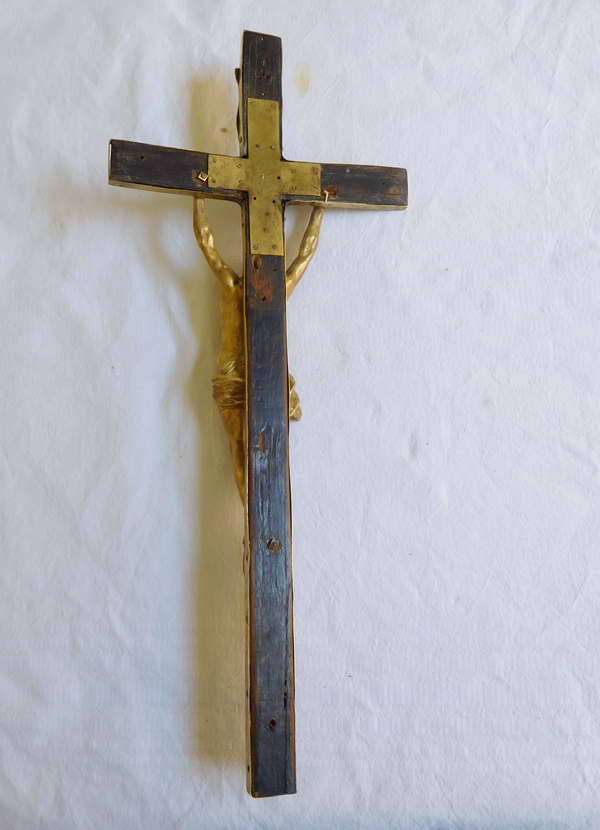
265,176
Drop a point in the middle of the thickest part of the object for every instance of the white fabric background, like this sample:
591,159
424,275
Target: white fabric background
445,472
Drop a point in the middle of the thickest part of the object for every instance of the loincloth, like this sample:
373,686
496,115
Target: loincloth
229,390
229,386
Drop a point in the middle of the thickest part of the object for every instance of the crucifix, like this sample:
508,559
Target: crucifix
252,388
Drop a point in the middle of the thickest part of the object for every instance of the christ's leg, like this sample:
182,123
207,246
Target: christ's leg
295,411
233,421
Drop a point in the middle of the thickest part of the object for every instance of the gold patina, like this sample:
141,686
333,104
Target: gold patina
229,382
266,177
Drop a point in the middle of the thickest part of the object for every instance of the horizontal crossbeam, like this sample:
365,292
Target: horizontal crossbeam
133,164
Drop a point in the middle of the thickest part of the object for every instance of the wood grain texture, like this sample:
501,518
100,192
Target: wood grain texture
361,186
355,184
133,164
260,75
272,756
271,644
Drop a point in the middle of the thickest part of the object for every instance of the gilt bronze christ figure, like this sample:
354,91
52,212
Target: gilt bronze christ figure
229,384
252,388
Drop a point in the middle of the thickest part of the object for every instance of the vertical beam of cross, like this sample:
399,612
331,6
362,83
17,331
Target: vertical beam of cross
271,690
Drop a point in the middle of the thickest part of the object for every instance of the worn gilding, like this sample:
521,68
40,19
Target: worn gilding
266,177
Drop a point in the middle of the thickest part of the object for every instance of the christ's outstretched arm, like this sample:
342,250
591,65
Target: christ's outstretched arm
226,276
308,246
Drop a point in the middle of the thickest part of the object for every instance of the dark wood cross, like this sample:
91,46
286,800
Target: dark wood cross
262,182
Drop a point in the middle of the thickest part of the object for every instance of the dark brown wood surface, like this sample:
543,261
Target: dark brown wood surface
132,164
269,539
354,185
260,75
271,642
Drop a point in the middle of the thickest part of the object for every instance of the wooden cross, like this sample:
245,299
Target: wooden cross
262,182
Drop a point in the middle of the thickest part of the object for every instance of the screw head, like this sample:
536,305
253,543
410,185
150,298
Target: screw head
273,544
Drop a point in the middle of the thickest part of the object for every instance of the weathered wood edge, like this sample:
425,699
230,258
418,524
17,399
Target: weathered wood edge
347,186
151,167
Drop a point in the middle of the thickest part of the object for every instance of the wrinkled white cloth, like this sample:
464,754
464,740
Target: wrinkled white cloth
445,471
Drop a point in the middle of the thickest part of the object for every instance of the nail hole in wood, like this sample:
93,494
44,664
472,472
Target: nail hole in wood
272,724
141,157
